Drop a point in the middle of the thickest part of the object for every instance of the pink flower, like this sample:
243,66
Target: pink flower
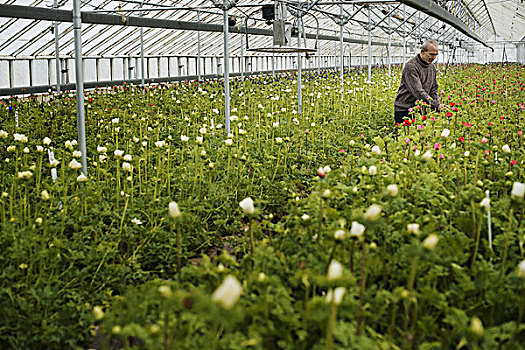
487,151
484,140
306,131
437,146
520,133
342,150
320,172
513,162
433,119
441,156
407,140
410,110
419,127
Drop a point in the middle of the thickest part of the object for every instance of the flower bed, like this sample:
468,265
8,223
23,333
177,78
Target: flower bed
356,233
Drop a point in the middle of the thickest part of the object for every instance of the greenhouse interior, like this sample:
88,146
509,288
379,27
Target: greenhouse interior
267,174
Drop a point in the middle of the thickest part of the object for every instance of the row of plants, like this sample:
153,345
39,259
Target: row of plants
333,228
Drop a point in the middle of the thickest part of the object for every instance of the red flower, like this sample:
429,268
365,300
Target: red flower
424,117
452,104
461,139
449,114
342,150
513,162
407,123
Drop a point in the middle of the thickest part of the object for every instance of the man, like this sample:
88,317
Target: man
418,82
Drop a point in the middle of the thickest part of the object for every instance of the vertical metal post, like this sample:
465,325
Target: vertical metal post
273,65
389,45
242,60
142,57
335,51
198,49
318,57
404,35
341,64
79,79
299,68
369,47
57,52
226,70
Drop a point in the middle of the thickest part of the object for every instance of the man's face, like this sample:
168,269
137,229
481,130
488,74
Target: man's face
429,55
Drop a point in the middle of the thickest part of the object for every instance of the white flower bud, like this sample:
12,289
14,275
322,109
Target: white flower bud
335,271
228,292
173,210
373,212
357,229
247,206
392,190
518,190
431,241
413,228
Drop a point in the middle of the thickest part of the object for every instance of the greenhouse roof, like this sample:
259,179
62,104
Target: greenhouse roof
23,36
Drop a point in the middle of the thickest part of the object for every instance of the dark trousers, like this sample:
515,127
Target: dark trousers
399,116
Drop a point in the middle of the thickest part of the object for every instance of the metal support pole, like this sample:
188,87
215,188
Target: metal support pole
226,71
369,47
404,35
299,69
142,57
273,65
242,60
198,49
318,57
79,78
57,52
341,64
389,46
335,49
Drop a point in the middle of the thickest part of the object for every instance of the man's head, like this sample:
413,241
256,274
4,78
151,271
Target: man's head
429,51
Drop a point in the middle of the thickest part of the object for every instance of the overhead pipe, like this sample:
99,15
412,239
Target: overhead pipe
433,9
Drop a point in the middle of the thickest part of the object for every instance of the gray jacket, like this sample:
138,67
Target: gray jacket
418,82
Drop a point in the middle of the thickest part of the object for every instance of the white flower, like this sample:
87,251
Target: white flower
417,153
506,149
126,166
335,296
81,178
44,195
476,326
128,158
11,148
431,241
136,221
115,120
327,193
445,133
466,154
218,126
144,143
392,190
118,153
427,155
160,144
352,142
68,145
335,271
3,134
305,217
184,138
228,142
101,158
74,165
247,206
413,228
372,170
199,140
221,268
521,269
278,140
320,172
276,124
373,212
211,165
20,137
485,203
98,313
136,139
77,154
228,292
518,190
340,234
46,141
327,169
357,229
203,153
54,163
173,210
202,130
24,174
74,143
25,150
101,149
376,150
261,277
